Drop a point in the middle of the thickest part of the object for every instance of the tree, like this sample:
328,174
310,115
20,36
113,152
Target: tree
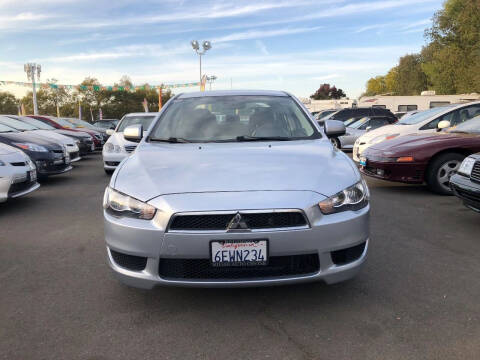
376,86
410,78
8,103
326,92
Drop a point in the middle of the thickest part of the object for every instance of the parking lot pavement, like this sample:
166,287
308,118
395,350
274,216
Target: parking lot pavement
417,297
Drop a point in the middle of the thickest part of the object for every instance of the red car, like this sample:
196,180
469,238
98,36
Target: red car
59,123
423,158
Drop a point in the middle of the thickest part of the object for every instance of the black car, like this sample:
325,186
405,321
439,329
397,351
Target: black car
50,158
465,183
106,123
84,140
358,112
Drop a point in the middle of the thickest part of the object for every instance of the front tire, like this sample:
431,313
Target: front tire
440,170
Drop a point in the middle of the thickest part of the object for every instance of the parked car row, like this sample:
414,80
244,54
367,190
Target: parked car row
35,147
435,147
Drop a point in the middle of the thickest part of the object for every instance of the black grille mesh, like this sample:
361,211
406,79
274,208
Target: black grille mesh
278,266
21,186
253,220
475,176
130,262
345,256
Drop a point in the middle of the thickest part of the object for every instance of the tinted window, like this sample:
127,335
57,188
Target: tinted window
378,122
5,128
407,107
421,116
231,118
37,123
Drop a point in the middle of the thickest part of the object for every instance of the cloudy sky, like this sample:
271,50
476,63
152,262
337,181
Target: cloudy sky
292,45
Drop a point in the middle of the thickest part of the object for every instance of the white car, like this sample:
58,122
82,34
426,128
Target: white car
18,175
117,148
421,122
71,145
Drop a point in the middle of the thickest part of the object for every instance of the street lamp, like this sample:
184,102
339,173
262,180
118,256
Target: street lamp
33,69
206,45
211,79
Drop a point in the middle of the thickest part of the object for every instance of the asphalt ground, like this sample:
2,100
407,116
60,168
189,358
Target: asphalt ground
418,297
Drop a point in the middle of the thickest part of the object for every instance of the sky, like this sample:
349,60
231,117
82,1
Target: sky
292,45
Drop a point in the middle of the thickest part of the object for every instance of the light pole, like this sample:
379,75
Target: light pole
206,45
210,80
33,69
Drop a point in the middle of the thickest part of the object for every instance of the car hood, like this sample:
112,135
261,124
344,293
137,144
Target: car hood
387,130
23,137
74,134
52,136
7,149
408,144
159,169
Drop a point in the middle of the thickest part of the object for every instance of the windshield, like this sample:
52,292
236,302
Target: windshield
350,121
421,116
135,120
104,124
359,123
5,128
80,123
469,126
234,118
37,123
16,124
63,122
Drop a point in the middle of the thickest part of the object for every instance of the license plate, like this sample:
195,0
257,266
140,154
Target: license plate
239,253
363,161
93,147
33,175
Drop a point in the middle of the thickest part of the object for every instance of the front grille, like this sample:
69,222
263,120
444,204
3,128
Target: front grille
112,163
74,155
468,195
20,187
130,148
475,176
130,262
58,151
345,256
263,220
278,266
20,163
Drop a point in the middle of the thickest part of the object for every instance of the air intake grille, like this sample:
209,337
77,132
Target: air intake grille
201,269
130,148
265,220
130,262
475,176
20,163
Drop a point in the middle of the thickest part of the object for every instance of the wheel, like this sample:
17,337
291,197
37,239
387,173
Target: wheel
335,142
440,170
108,171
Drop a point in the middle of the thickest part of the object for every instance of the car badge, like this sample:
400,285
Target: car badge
237,224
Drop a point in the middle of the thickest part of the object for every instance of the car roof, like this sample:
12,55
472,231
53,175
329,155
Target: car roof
197,94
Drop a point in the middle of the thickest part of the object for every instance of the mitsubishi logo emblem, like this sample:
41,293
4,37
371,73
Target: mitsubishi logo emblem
237,224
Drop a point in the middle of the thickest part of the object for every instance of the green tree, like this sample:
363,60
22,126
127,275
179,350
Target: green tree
326,92
410,78
47,100
376,86
8,103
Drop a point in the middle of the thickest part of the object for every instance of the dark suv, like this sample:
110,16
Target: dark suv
359,112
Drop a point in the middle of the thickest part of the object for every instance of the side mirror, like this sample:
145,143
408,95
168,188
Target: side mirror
110,132
334,128
133,133
443,125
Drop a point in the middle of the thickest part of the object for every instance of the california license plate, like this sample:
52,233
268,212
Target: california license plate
239,253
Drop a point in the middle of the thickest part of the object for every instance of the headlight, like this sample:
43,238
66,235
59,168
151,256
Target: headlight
467,166
354,197
108,147
31,147
123,205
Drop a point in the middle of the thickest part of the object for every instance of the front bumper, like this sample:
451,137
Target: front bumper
325,236
409,173
18,184
467,190
112,159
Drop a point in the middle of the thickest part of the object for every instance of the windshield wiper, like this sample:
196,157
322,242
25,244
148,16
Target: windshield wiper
263,138
172,140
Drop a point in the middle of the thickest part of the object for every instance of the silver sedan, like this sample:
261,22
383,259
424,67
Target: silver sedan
356,127
235,189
